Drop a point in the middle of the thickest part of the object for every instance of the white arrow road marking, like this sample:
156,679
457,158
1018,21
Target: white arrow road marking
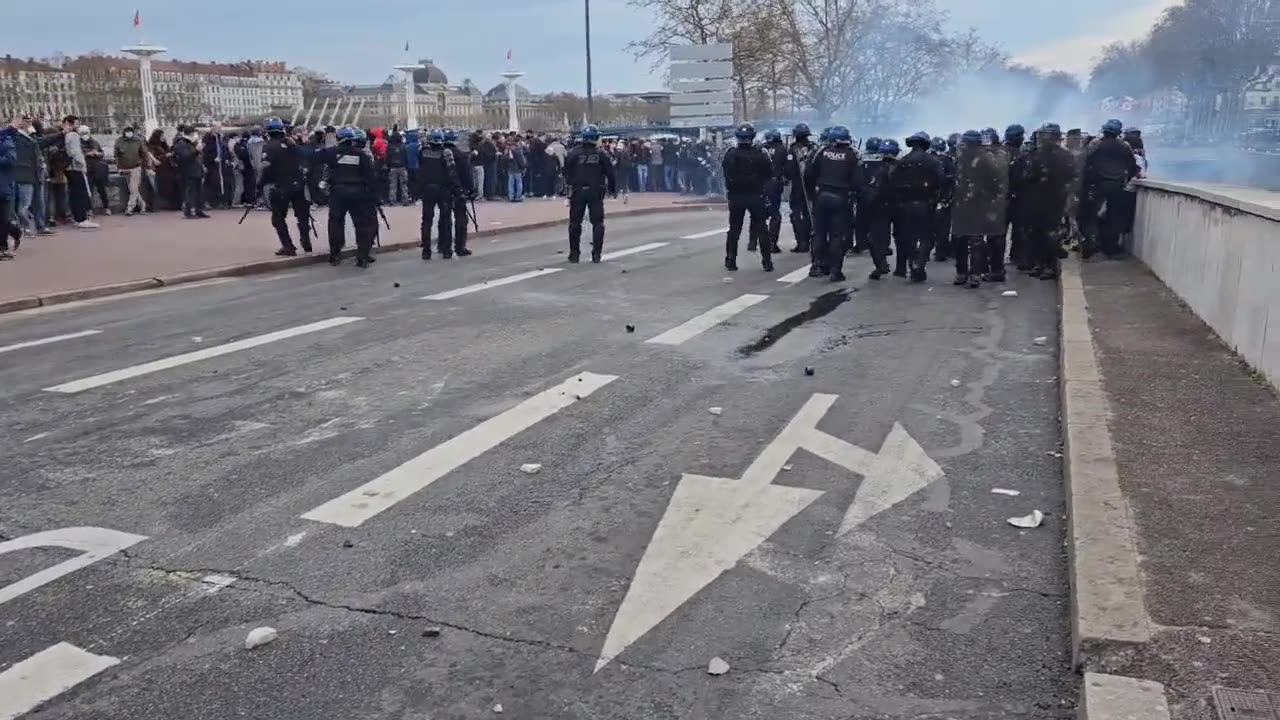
116,376
353,508
708,233
706,321
93,543
711,523
450,294
795,276
633,250
46,675
46,341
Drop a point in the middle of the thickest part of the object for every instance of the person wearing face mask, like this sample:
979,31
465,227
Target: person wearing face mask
186,153
130,155
99,174
77,174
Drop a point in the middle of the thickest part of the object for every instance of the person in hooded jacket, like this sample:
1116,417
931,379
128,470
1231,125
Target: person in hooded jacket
8,161
187,154
397,171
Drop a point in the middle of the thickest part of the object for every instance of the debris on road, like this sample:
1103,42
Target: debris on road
498,708
1028,521
955,383
395,284
717,667
431,632
1041,340
1054,453
631,328
1009,293
196,339
1006,491
392,632
343,308
259,637
808,372
717,411
531,468
787,468
348,544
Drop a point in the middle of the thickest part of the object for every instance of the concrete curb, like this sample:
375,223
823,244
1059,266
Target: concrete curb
1114,697
266,266
1108,611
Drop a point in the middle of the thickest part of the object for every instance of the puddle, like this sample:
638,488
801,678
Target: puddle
820,307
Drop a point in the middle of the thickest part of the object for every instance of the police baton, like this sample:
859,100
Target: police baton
473,214
384,217
247,210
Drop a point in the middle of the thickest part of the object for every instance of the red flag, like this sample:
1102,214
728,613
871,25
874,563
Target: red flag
508,56
137,18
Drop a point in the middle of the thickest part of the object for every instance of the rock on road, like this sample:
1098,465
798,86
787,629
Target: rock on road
340,459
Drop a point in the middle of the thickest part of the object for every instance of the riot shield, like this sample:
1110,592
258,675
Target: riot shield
982,191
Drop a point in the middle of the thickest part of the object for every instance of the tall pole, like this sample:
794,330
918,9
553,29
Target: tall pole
144,53
586,4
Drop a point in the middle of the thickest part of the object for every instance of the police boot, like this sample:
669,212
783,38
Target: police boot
730,262
426,252
752,245
994,277
961,279
1036,271
335,258
816,271
287,252
838,276
775,249
878,273
364,261
460,249
1049,273
446,251
801,247
918,274
595,254
574,251
974,281
597,242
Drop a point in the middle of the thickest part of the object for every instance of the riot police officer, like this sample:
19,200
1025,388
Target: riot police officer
353,189
914,188
283,164
588,172
1014,141
942,217
834,177
866,199
776,150
465,194
1048,182
437,185
1110,166
799,157
747,173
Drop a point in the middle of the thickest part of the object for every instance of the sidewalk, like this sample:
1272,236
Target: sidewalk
150,250
1196,446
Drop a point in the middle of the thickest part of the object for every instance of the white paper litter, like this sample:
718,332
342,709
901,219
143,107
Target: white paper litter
1054,453
498,708
717,666
1006,491
1041,341
1009,293
196,338
716,410
786,468
531,468
1028,521
259,637
955,383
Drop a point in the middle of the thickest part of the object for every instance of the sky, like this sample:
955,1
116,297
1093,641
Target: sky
545,37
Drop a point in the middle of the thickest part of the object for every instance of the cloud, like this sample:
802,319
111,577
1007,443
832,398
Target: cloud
1077,54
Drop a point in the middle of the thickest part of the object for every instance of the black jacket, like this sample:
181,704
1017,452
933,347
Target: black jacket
187,157
29,167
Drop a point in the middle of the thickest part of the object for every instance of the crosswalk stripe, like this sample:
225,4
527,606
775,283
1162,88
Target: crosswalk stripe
46,675
46,341
706,320
450,294
795,276
355,507
708,233
633,250
115,376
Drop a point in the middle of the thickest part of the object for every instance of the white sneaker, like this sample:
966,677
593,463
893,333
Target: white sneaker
88,225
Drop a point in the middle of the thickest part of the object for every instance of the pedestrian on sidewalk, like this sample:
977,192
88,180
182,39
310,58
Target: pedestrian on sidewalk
397,171
30,174
214,156
130,161
187,154
164,184
513,162
57,162
99,173
8,161
77,174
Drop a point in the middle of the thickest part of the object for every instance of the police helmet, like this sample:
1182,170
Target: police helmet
1112,127
801,130
825,135
873,145
347,134
745,133
1014,134
890,148
953,140
1050,130
772,135
990,136
275,125
450,135
839,135
971,137
938,144
437,137
590,134
1133,131
920,140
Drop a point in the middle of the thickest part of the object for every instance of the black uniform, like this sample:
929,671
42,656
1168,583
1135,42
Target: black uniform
283,170
942,217
834,178
589,173
875,203
1110,166
353,188
465,193
777,152
1016,219
799,159
1049,177
914,187
748,172
438,184
862,222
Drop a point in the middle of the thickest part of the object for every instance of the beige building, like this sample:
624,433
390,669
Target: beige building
36,88
1262,100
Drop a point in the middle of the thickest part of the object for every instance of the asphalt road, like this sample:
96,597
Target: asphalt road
331,455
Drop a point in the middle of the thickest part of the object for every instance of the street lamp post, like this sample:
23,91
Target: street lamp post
144,52
587,13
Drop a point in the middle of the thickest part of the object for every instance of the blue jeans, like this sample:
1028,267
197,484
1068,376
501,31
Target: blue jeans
672,185
30,213
515,187
642,175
